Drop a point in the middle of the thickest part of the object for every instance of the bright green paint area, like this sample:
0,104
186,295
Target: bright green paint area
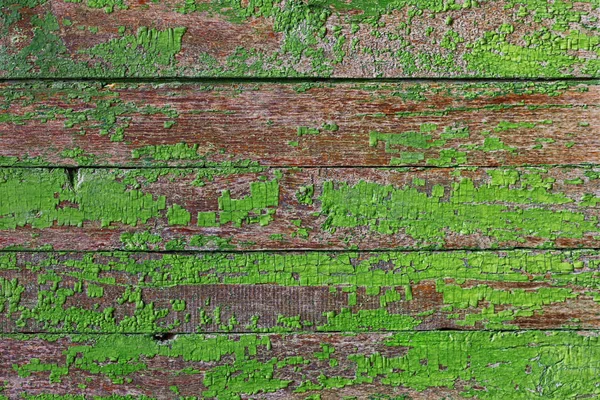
416,140
42,198
95,290
53,314
167,152
524,365
178,215
120,356
159,49
407,148
493,54
305,194
502,210
468,282
367,320
305,130
505,205
107,5
258,207
10,295
139,240
79,156
546,53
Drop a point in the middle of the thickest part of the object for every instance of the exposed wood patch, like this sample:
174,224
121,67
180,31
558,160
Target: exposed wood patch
299,124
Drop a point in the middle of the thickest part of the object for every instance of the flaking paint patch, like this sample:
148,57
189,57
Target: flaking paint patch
142,54
387,38
484,365
469,209
470,283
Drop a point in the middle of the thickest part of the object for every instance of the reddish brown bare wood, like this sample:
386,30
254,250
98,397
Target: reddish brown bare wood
298,124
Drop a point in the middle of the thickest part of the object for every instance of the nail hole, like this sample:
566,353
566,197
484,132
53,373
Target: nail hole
163,337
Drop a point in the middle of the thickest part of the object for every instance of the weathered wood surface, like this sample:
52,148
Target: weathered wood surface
191,238
415,365
298,291
197,38
311,208
299,124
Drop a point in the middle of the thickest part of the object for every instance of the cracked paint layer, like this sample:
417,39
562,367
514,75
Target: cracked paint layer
519,38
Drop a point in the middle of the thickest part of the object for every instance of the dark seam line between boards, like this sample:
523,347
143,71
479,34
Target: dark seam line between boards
266,167
299,333
300,250
457,80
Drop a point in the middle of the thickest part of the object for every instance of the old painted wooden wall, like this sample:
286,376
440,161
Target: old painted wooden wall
299,199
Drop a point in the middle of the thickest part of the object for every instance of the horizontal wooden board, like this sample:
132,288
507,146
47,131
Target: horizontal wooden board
299,124
423,365
199,38
312,208
298,291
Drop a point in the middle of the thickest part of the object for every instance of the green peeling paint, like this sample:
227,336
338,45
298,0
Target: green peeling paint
30,199
326,38
104,112
501,212
255,208
142,54
523,365
473,284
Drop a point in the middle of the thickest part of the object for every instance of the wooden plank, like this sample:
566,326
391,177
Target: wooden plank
500,38
312,208
298,291
419,365
299,124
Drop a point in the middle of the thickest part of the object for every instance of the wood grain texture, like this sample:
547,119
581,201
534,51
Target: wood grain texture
299,124
312,208
298,291
180,236
395,38
415,365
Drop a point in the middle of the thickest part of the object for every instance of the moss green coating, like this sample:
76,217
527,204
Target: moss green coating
263,197
94,197
145,53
